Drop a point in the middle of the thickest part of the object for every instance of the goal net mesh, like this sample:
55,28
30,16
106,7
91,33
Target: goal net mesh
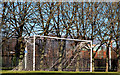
58,54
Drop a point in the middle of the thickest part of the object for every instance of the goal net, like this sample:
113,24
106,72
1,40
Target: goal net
45,53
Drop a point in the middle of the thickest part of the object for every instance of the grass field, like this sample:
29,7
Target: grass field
56,73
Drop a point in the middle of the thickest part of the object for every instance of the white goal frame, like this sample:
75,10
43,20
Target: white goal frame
34,37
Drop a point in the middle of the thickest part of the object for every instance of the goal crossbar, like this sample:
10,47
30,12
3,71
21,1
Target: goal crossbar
59,38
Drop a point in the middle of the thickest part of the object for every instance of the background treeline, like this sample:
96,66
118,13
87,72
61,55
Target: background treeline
96,21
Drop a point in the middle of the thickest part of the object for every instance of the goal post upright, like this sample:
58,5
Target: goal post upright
34,53
26,56
25,60
91,57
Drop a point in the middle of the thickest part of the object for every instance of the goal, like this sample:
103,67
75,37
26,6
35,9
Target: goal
46,53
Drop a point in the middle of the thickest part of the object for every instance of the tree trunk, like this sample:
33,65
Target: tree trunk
93,67
118,69
118,65
60,55
77,63
106,64
42,54
107,58
17,52
118,56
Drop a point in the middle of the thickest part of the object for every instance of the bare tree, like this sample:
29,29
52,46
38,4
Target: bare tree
15,21
78,20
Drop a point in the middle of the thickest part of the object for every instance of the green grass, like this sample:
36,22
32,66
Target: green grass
56,73
6,68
